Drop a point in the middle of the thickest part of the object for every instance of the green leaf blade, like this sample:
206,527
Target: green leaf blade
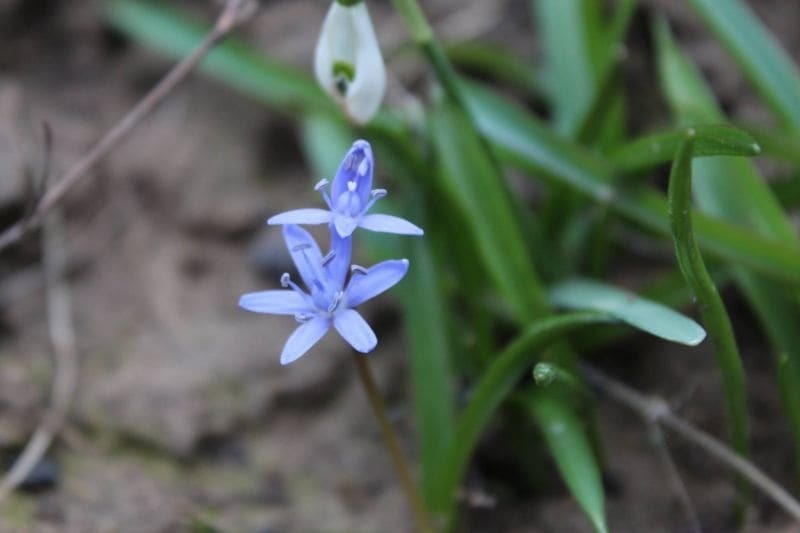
470,178
431,375
566,440
765,64
658,148
638,312
732,189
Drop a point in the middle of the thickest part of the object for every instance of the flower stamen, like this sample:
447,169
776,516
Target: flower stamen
357,269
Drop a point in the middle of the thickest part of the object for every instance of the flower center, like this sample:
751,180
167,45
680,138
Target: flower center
343,74
348,203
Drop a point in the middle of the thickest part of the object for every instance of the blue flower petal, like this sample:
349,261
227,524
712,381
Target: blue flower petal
389,224
276,302
305,253
301,216
355,330
377,279
344,225
303,338
339,264
356,166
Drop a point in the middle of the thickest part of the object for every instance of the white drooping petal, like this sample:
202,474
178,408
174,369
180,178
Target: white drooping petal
348,38
334,37
365,94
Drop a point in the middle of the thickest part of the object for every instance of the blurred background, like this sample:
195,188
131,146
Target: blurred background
183,419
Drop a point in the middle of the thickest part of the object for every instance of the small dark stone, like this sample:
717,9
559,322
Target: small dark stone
44,476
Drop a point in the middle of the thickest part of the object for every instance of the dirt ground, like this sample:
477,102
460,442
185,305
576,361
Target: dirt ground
182,412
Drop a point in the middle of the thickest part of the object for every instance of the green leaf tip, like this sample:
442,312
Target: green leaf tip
660,147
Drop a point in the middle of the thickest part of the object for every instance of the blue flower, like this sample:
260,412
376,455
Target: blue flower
330,301
350,198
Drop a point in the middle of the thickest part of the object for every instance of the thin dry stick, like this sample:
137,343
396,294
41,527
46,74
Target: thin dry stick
674,478
392,443
656,410
234,13
65,355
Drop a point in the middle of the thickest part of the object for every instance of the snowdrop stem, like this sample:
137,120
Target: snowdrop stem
422,34
415,20
392,443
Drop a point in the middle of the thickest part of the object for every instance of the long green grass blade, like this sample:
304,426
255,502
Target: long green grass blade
431,378
731,188
564,27
470,179
575,459
767,66
498,64
715,317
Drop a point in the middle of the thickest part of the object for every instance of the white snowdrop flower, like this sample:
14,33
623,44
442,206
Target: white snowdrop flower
348,62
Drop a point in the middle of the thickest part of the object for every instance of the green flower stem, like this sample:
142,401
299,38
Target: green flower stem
415,20
710,304
495,385
422,34
392,444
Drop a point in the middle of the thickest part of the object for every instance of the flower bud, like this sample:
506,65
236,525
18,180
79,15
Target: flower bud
348,62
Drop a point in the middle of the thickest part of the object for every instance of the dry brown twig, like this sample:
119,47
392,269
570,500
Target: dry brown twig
234,13
657,411
65,355
674,477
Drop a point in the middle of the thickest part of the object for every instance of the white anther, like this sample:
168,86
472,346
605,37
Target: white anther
358,269
337,299
321,183
363,168
285,279
379,193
